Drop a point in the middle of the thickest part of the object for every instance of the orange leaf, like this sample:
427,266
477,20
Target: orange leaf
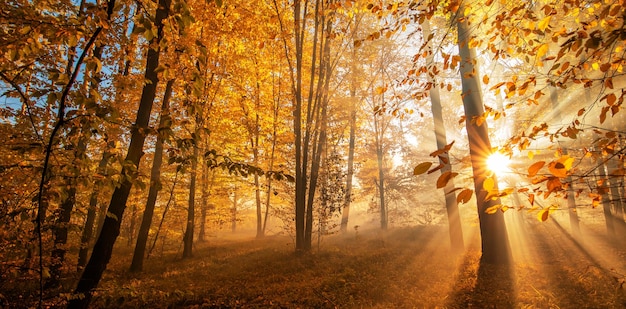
486,79
611,98
464,196
442,181
533,169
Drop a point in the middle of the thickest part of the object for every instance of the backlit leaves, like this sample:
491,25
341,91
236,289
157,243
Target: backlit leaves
533,169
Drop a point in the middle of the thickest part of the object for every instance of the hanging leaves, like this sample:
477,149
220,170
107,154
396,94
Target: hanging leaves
533,169
464,196
444,178
422,168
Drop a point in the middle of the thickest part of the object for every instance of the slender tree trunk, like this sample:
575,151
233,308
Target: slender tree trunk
87,233
191,207
454,220
381,188
233,218
615,184
571,195
132,225
167,207
494,240
93,199
111,228
155,184
606,203
205,197
345,215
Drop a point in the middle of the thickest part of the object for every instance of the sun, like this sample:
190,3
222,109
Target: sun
498,163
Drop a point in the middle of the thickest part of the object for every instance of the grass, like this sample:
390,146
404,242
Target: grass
402,268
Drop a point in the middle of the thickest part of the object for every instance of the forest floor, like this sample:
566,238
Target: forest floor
402,268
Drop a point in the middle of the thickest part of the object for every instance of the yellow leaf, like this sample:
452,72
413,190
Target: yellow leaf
542,51
493,209
543,214
422,168
531,154
488,184
595,66
543,24
504,208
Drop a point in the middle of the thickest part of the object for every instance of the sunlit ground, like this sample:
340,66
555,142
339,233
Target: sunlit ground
405,267
408,267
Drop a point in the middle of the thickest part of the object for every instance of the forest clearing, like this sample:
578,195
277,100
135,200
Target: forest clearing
402,268
312,153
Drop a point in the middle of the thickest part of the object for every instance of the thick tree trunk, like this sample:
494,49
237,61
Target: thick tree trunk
454,220
111,228
494,240
155,185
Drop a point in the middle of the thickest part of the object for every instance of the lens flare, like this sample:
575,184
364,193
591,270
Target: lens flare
498,163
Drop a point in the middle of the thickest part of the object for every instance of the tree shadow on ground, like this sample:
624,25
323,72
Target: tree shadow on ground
482,285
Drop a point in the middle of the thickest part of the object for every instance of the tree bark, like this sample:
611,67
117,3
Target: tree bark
345,214
454,221
111,228
494,240
155,185
191,206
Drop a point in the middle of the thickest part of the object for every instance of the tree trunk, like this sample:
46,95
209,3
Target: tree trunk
155,185
205,197
454,220
93,199
191,207
571,195
111,228
381,188
345,215
494,240
606,203
88,229
233,219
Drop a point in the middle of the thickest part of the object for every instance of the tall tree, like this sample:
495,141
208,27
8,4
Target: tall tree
309,105
454,219
111,228
155,182
494,239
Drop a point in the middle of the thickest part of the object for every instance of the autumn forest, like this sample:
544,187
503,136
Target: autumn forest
312,154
